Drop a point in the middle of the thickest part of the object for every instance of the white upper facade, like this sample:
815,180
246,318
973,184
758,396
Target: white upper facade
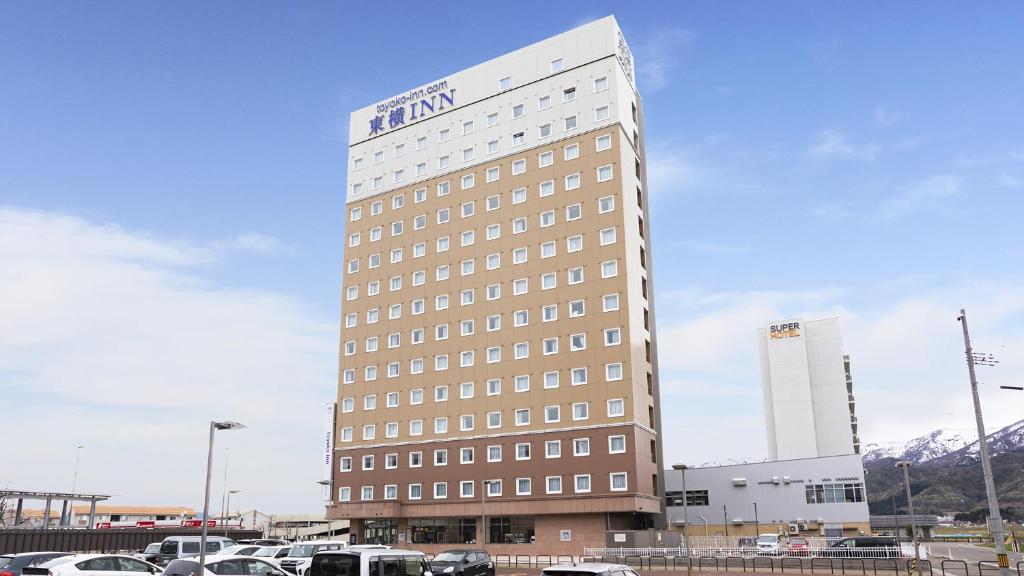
806,401
568,84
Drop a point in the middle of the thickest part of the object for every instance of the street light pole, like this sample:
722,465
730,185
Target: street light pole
224,498
228,507
686,521
74,479
483,510
214,426
995,520
910,508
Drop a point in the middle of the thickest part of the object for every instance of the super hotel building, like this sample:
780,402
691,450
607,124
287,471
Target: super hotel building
498,375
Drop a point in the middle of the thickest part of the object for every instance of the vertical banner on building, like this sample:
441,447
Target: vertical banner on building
328,455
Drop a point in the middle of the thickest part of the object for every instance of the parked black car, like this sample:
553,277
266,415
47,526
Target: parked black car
462,563
864,547
11,565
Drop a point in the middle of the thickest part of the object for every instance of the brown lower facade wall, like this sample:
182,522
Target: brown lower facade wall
849,529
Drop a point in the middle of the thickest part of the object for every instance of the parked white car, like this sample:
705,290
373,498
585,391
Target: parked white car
297,561
222,566
236,550
272,554
96,565
769,545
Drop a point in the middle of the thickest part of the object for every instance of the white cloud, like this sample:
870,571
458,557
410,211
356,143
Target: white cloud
115,339
885,117
659,54
671,170
929,194
834,144
704,247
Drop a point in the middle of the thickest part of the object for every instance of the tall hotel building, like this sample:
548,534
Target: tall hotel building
498,376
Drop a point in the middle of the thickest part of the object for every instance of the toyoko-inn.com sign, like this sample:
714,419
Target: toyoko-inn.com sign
418,103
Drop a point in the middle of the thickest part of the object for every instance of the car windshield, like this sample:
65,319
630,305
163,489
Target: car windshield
152,548
4,561
767,539
799,541
302,551
266,551
449,557
229,550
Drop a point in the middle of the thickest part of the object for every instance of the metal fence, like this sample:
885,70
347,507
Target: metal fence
752,552
16,540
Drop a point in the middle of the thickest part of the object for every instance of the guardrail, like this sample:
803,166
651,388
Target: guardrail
16,540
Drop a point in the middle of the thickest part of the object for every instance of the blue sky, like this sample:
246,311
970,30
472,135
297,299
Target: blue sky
162,164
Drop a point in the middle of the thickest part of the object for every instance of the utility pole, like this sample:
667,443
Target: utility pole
686,521
224,498
910,506
995,521
725,518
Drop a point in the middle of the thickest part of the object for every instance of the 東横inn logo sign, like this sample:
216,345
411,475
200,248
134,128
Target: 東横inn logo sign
418,103
784,330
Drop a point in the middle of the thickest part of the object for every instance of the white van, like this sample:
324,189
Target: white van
768,545
364,562
297,560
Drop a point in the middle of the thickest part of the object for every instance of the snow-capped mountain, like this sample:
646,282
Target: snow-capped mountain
947,446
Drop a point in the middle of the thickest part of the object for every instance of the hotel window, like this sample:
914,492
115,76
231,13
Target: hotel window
442,273
467,127
353,240
494,453
351,319
520,318
467,154
551,378
378,156
440,362
518,255
573,212
520,287
600,84
492,147
444,135
442,244
346,434
468,209
493,174
349,376
549,313
415,491
391,430
420,195
572,181
369,431
493,261
396,255
616,407
466,489
353,266
466,390
371,344
416,366
522,383
419,222
416,428
544,130
492,202
441,331
579,376
421,142
421,169
419,277
415,459
569,123
575,275
374,260
518,167
352,292
519,138
553,449
494,420
613,372
467,358
616,444
416,396
494,486
443,188
467,267
416,334
606,204
546,188
392,369
370,373
523,451
355,214
610,302
600,113
554,484
357,163
376,208
350,348
604,173
390,491
346,464
397,201
440,427
519,195
604,142
375,234
523,417
577,342
569,94
492,119
523,486
367,493
345,494
546,159
552,414
398,176
493,231
466,423
547,249
582,482
618,481
612,337
581,447
392,399
469,236
547,219
443,162
494,387
518,111
494,352
468,181
521,350
440,490
519,225
372,315
544,102
443,215
373,288
505,83
348,405
440,393
581,411
574,243
610,269
557,65
395,283
571,152
357,189
547,281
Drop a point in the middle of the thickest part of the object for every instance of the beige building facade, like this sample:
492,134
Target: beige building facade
498,370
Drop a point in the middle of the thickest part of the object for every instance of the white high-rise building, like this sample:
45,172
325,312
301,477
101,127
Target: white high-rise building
808,390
